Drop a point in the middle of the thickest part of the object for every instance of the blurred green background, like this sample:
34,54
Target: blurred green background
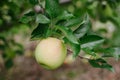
17,51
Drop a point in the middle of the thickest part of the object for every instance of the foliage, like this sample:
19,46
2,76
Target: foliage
73,24
75,30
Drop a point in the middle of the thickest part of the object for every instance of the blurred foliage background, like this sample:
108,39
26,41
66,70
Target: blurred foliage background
15,41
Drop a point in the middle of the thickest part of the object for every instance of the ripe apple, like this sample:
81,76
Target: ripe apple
50,53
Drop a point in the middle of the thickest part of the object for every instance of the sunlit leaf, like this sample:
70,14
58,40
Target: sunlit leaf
40,18
83,28
52,8
65,15
68,34
73,22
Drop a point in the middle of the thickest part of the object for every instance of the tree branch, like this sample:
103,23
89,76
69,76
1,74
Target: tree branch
81,57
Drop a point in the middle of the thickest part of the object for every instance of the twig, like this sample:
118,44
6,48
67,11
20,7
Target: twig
81,57
42,8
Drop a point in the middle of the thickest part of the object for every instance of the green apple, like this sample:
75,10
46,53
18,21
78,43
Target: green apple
50,53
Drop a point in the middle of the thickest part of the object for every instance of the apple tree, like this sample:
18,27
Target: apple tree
73,29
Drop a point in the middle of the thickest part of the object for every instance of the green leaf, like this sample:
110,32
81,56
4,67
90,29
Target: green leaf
39,32
52,8
2,47
91,41
73,22
106,52
9,63
18,48
89,51
33,2
68,34
75,47
65,15
83,28
40,18
116,53
101,63
111,52
27,17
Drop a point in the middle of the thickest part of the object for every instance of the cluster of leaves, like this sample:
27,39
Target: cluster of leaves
103,11
73,30
9,51
10,11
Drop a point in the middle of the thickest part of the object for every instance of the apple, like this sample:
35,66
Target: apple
69,59
50,53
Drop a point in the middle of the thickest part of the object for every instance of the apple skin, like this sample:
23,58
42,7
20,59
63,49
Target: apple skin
50,53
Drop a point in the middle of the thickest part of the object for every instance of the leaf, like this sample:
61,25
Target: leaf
27,17
18,48
9,63
33,2
75,47
68,34
91,41
40,18
89,51
39,32
83,28
73,22
2,47
116,53
111,52
101,63
65,15
3,41
106,52
52,8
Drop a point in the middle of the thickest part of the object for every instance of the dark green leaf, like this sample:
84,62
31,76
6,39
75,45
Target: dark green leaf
68,33
2,47
33,2
9,63
2,38
83,28
101,63
27,17
31,13
52,8
65,15
39,32
91,41
75,47
40,18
